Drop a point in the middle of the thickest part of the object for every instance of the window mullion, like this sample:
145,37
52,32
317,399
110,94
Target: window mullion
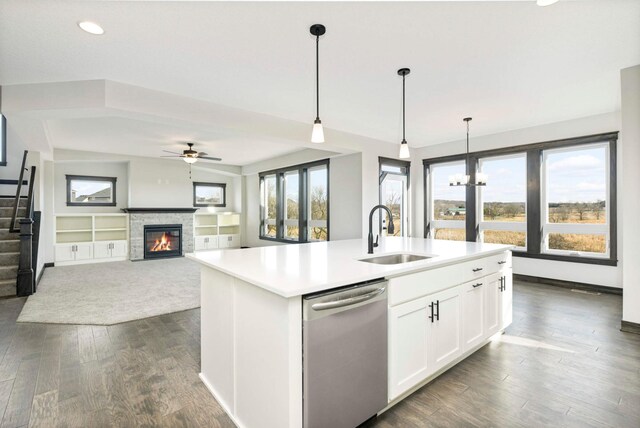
534,220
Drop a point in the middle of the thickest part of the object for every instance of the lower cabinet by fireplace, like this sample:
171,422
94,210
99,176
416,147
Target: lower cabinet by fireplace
109,249
73,252
429,332
208,242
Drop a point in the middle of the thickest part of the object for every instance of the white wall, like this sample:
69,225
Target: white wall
629,169
168,184
610,276
345,184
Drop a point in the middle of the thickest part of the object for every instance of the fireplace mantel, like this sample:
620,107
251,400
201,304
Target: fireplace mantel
159,210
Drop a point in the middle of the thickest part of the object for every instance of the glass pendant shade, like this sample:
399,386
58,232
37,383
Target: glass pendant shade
189,159
317,135
404,150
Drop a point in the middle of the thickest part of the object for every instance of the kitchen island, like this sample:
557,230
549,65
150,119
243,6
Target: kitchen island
438,310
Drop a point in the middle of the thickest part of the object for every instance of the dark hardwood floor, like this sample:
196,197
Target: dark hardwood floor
563,362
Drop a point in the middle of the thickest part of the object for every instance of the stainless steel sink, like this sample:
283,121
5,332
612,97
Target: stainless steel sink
394,259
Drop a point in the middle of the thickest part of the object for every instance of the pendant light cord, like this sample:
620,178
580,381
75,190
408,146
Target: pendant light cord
468,148
317,77
403,126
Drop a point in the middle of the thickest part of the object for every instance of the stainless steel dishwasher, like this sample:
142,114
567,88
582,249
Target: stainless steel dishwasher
345,355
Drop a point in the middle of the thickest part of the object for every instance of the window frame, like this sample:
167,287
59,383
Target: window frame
3,140
500,225
112,180
534,154
222,186
431,224
406,209
573,228
303,202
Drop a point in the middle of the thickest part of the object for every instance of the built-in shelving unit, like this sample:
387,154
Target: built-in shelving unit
216,230
91,238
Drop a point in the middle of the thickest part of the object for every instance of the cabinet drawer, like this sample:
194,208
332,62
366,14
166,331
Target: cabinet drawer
413,286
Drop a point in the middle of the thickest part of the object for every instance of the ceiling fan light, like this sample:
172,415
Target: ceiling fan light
404,150
546,2
317,135
91,28
190,159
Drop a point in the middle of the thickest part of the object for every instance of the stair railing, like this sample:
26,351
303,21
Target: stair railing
26,283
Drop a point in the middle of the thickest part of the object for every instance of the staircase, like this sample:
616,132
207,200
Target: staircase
9,246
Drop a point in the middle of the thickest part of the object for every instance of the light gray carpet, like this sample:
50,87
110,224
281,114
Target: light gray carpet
111,293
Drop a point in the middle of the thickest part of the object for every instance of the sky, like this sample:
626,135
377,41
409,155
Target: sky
576,176
83,187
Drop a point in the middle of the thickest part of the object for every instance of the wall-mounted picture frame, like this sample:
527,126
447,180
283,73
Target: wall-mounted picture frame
209,194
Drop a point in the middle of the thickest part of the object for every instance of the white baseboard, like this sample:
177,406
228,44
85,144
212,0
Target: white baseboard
220,401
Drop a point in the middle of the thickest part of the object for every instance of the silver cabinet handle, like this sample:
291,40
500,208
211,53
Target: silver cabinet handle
348,301
502,262
477,269
477,285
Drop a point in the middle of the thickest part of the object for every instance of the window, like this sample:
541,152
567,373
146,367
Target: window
554,200
209,194
394,191
318,203
294,203
502,204
3,140
446,207
84,190
574,201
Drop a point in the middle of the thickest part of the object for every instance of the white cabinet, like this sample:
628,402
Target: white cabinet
493,303
473,308
216,230
437,316
73,252
444,336
506,302
109,249
207,242
408,349
87,238
229,241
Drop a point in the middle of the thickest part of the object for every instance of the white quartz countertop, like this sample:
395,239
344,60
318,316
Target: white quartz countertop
296,269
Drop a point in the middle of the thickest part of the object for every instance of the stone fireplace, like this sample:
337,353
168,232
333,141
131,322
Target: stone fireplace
143,220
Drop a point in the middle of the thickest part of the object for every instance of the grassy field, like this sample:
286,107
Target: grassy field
573,213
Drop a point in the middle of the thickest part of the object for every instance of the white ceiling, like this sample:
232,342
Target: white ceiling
120,135
509,65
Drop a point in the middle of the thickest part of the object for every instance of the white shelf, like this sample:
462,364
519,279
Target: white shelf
208,226
73,230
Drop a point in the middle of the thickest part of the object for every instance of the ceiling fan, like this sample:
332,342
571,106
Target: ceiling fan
189,155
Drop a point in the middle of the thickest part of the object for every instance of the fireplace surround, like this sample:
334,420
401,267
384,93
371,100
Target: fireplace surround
140,217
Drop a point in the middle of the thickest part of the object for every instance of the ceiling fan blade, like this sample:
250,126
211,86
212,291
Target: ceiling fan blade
172,156
174,153
208,158
201,154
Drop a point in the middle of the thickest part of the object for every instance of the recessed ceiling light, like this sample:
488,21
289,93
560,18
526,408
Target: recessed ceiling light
546,2
91,27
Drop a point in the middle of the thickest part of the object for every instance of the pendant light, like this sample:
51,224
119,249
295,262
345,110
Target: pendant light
404,147
465,180
317,135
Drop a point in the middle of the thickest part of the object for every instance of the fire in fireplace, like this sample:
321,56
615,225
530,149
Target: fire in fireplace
163,240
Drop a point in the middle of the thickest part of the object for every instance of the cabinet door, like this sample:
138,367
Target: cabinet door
493,304
119,249
234,241
408,353
212,243
102,250
84,251
506,304
473,307
64,252
200,243
445,333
